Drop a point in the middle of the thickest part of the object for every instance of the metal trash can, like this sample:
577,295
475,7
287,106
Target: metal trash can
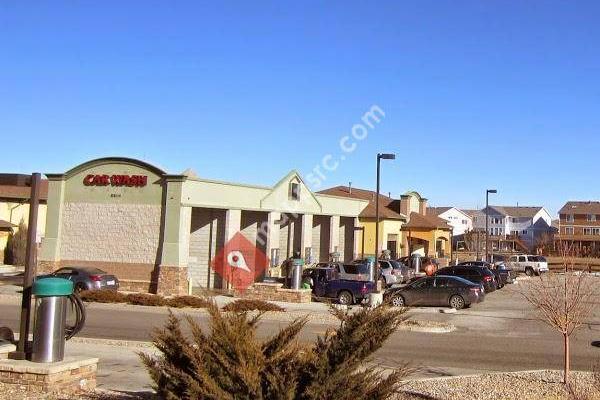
52,296
297,273
371,268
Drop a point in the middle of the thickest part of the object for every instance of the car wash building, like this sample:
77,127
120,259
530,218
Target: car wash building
165,233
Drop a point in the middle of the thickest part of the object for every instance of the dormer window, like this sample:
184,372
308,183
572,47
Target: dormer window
294,191
591,217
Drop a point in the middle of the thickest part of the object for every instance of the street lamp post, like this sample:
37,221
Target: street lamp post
380,156
487,232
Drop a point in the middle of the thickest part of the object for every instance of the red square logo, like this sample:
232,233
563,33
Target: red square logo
240,262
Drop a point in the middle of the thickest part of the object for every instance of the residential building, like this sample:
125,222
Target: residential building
390,220
14,207
404,226
168,233
459,220
514,228
579,223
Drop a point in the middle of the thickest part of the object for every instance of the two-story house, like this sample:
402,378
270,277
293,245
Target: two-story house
513,227
460,221
579,223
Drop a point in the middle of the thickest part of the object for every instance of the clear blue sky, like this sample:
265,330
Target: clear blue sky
476,94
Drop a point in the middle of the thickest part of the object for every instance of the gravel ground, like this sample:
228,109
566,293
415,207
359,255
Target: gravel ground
535,385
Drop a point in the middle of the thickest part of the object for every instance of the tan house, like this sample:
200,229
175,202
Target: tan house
404,226
170,233
14,207
579,223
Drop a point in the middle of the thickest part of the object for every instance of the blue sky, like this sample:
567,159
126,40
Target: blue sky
475,94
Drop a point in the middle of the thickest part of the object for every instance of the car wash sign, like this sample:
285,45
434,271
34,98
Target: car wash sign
116,180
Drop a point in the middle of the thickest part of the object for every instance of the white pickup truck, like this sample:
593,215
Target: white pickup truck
529,264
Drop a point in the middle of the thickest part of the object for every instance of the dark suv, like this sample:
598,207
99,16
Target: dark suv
476,274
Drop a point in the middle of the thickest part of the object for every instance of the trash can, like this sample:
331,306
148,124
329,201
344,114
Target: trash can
371,268
51,298
297,264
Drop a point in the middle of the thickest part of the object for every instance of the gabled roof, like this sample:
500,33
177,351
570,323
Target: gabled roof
418,221
580,207
519,212
437,210
472,213
388,207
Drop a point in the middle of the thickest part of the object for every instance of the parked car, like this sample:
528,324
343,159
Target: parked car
394,272
350,271
475,274
436,290
529,264
346,292
506,274
500,271
86,278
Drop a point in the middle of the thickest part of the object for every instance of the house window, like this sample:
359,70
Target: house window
591,217
294,191
570,218
524,232
569,230
464,221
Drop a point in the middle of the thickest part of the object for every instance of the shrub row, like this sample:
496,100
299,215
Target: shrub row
142,299
243,305
153,300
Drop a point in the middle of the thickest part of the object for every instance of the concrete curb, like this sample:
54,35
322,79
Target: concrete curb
111,342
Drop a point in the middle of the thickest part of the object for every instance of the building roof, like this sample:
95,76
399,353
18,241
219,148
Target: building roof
437,210
14,187
519,212
472,213
6,225
580,207
388,207
418,221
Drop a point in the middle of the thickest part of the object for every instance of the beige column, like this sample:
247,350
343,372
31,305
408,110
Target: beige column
173,274
49,257
357,235
272,236
334,233
306,235
233,223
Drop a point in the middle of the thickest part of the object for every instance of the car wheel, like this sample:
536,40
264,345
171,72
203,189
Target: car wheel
529,271
398,301
457,302
345,298
500,285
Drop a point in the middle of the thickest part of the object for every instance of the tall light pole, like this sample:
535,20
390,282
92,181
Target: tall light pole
380,156
487,232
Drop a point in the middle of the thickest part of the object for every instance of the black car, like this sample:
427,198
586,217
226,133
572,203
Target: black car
499,276
439,290
475,274
86,278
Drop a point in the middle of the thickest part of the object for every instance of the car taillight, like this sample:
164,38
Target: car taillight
96,278
364,289
487,278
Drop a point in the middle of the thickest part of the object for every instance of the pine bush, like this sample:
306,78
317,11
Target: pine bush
229,361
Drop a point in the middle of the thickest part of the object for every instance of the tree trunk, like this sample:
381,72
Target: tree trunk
567,365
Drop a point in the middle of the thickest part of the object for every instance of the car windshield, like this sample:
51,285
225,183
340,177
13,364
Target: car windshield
356,268
462,280
396,265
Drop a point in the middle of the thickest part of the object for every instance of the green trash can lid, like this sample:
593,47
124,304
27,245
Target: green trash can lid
46,287
370,259
298,261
